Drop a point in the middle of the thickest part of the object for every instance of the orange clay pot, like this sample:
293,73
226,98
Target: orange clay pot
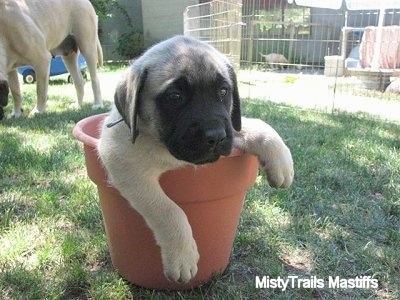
211,196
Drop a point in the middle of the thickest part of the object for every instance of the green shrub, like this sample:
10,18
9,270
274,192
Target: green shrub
130,44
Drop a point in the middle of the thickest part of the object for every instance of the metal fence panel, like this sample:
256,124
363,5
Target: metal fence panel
217,23
273,39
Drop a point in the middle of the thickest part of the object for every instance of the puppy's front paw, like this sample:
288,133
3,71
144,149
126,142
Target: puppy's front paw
180,260
260,139
277,164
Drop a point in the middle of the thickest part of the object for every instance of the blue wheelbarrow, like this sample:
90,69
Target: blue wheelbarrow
57,67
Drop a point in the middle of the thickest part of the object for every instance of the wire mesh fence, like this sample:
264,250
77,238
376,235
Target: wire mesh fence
274,40
218,23
293,32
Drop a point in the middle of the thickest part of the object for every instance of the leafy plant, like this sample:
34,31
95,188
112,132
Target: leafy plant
103,8
130,44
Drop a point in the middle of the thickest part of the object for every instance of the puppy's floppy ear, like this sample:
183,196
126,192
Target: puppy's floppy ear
127,98
235,114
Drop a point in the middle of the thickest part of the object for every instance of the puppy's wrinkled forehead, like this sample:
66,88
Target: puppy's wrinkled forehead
194,60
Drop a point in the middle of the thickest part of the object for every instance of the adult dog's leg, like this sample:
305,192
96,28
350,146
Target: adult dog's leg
42,70
71,62
260,139
90,51
16,93
92,66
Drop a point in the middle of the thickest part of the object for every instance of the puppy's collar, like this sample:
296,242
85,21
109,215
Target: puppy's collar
112,124
135,133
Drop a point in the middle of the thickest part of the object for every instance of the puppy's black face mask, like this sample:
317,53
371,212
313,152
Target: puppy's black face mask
196,119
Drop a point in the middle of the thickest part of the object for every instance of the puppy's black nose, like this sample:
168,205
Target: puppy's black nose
214,137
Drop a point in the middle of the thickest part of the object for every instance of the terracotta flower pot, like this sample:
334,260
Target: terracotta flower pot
211,196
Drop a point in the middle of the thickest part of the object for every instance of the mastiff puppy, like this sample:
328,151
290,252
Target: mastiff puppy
32,31
178,105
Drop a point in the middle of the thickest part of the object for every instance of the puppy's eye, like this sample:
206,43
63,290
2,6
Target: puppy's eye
223,91
175,96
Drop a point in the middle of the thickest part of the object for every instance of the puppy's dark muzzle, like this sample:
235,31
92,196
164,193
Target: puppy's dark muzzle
202,142
214,137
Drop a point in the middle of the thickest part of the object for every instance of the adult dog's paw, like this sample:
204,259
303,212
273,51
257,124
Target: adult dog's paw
180,260
98,106
15,113
36,111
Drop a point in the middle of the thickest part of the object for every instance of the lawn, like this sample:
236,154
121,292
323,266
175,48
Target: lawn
341,217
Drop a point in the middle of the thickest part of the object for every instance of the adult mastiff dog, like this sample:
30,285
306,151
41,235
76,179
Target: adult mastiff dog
178,105
32,31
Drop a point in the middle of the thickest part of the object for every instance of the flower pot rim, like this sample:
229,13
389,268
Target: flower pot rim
80,133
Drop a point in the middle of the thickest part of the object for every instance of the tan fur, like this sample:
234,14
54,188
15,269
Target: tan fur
134,169
31,31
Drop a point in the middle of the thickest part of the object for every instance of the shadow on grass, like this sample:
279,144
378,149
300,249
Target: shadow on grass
52,121
339,218
51,233
39,155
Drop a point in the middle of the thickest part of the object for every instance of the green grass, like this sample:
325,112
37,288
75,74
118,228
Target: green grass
341,217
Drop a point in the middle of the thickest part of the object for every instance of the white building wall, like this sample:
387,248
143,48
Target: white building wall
163,19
